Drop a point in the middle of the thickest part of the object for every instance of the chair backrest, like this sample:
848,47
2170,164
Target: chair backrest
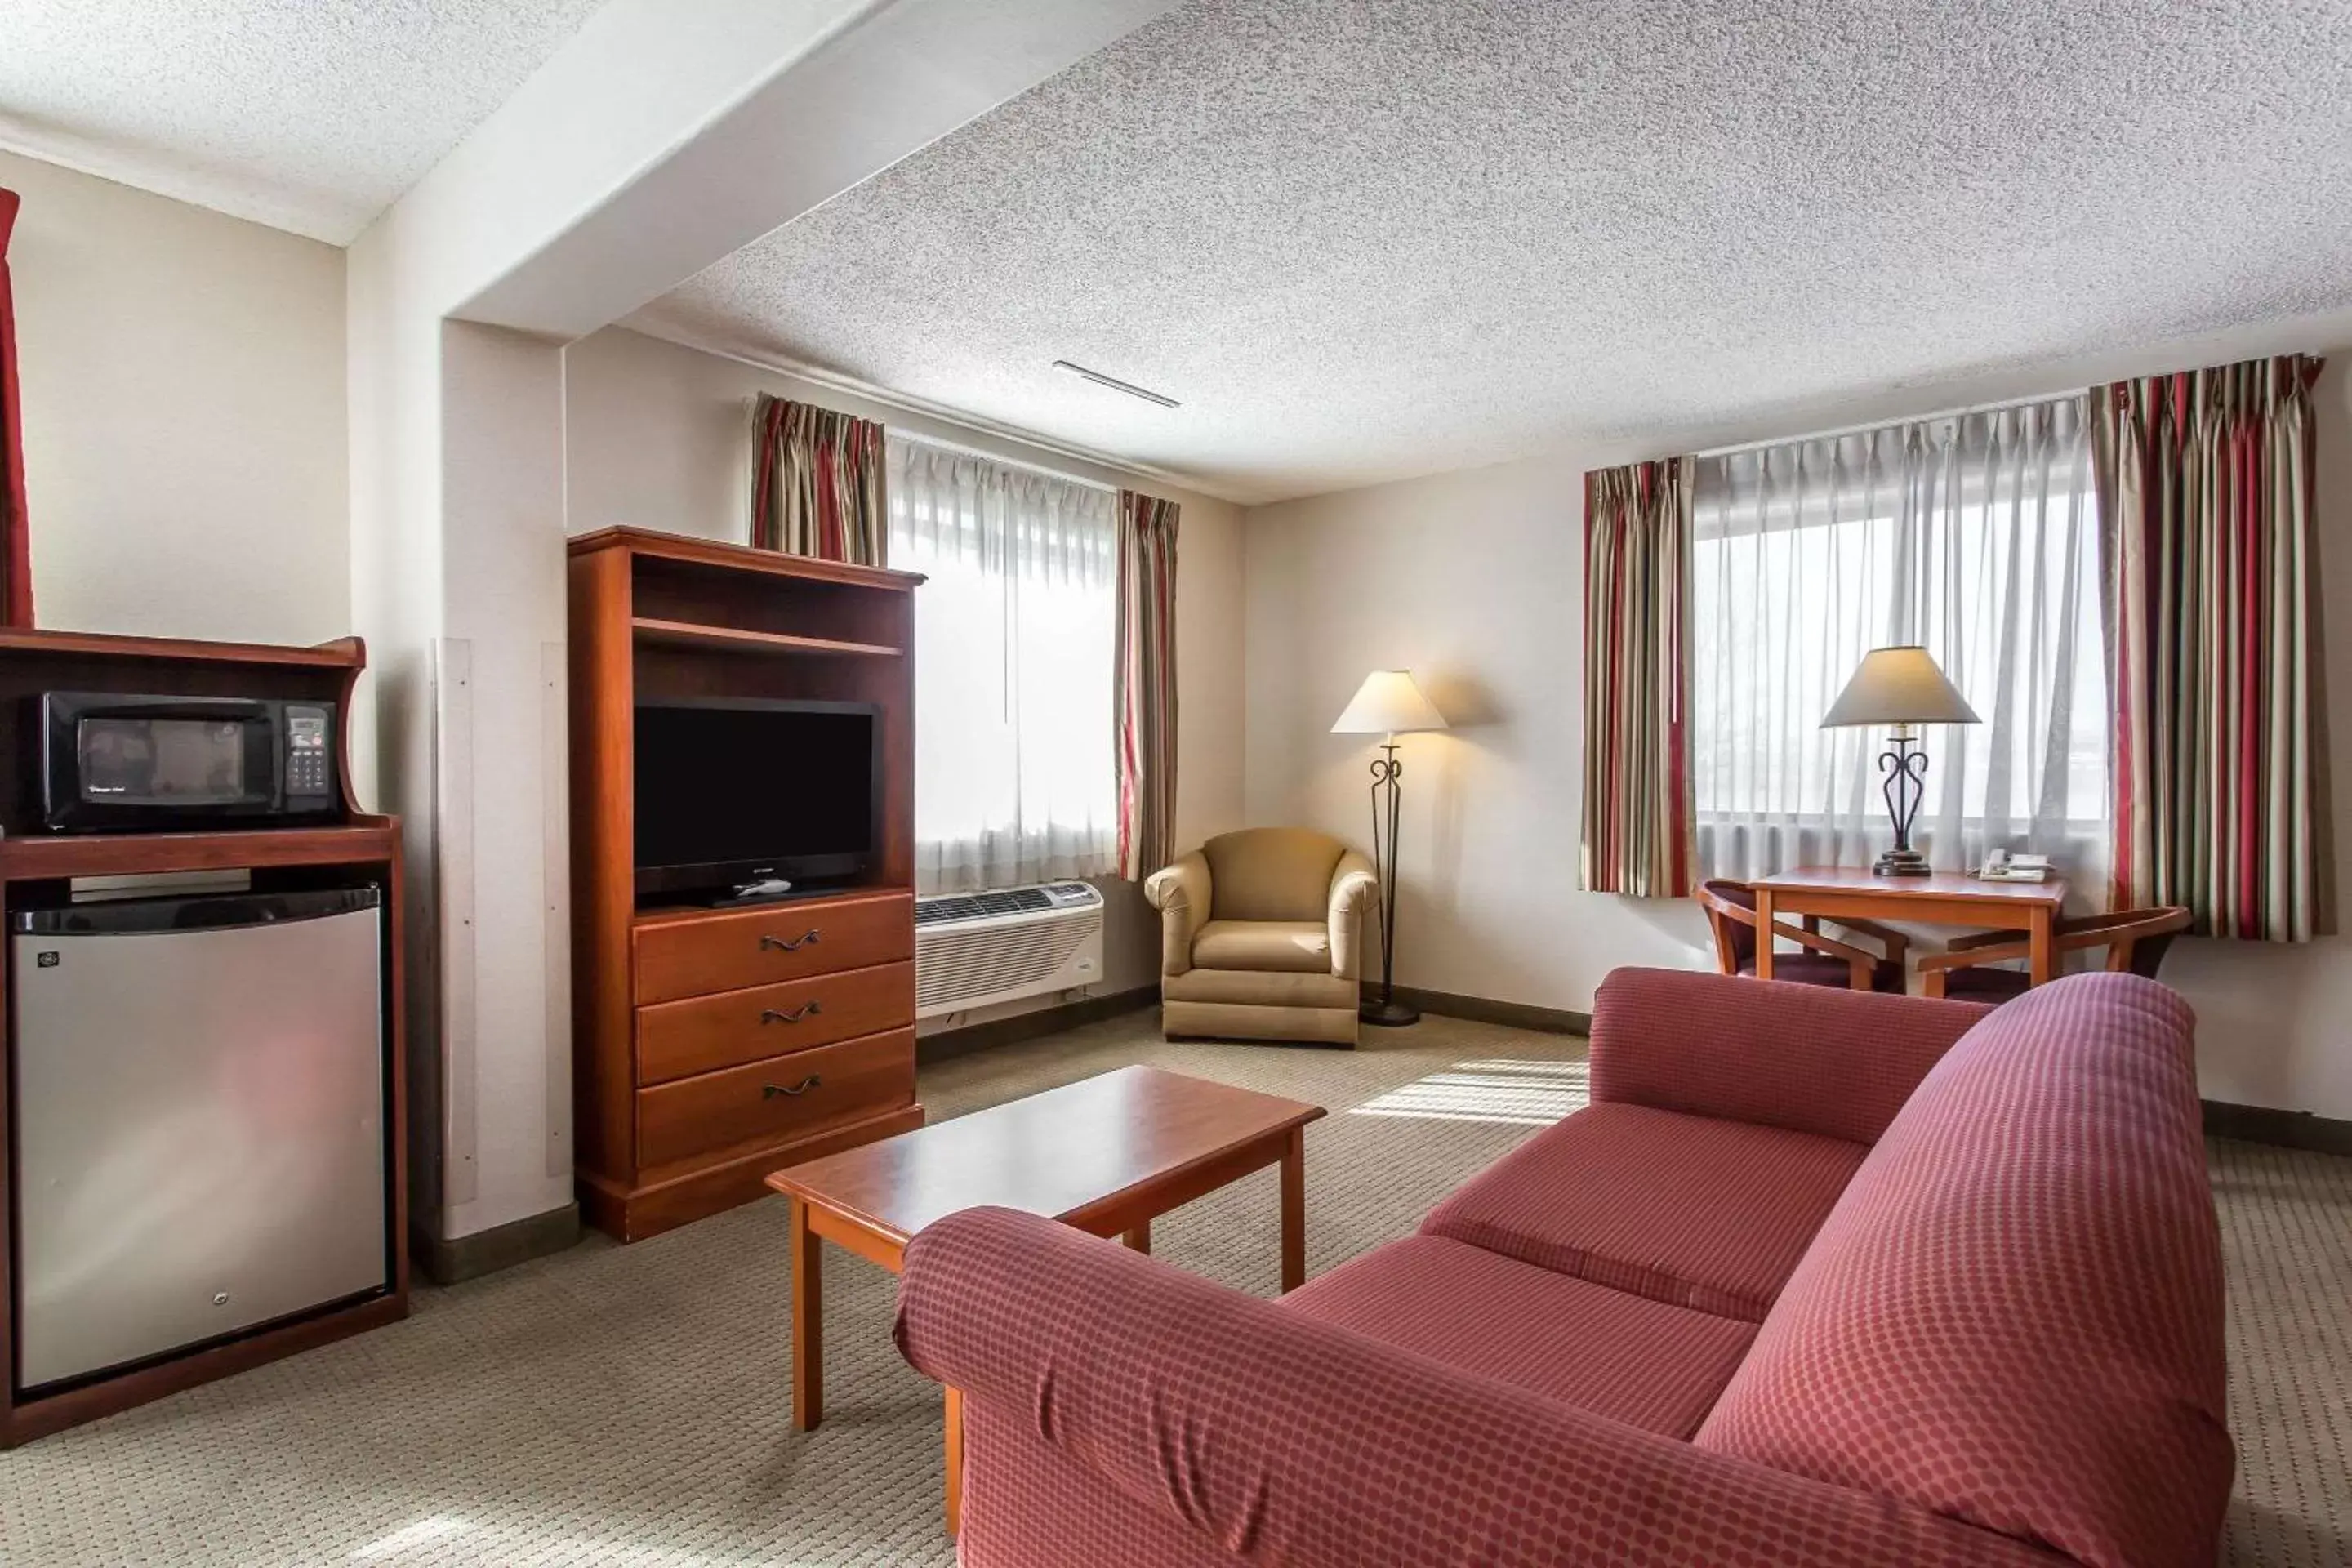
1731,914
1271,874
2136,939
2139,939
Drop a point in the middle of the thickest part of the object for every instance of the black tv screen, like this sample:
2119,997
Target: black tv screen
731,791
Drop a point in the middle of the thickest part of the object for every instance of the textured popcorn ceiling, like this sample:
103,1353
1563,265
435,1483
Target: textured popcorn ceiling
1363,238
309,115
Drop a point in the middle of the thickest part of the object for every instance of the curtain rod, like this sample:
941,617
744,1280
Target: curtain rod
1928,418
907,402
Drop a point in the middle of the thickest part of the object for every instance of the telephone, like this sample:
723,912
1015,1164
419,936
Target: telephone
2001,866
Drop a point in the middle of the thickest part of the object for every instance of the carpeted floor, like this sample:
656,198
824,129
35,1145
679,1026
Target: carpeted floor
629,1405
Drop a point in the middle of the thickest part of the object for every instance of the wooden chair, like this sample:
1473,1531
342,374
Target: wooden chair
2136,940
1731,913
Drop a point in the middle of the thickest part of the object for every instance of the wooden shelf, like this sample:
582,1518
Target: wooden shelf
732,639
647,543
37,856
343,653
689,914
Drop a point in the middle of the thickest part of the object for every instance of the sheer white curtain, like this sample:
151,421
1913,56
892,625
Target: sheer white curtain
1976,536
1015,777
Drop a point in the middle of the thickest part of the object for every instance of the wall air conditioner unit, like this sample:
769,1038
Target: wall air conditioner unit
974,950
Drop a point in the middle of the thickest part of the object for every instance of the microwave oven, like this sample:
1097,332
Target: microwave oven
109,762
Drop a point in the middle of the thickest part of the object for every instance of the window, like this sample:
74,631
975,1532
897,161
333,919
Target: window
1014,762
1975,536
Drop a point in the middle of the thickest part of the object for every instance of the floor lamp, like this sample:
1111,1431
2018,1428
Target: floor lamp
1387,704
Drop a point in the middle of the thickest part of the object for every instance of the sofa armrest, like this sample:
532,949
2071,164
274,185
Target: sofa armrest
1286,1440
1180,893
1812,1059
1353,891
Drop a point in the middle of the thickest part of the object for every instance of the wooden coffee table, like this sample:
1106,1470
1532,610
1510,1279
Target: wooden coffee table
1108,1155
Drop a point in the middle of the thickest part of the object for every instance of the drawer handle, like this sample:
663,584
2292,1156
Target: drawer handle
806,1009
769,1091
794,945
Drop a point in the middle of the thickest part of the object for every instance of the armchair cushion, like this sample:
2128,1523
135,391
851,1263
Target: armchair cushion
1273,873
1260,988
1823,969
1297,947
1708,1215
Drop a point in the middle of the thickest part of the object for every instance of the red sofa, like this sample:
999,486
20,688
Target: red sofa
1819,1277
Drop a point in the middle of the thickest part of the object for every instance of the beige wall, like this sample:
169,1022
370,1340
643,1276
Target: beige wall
1472,580
659,435
184,436
1475,580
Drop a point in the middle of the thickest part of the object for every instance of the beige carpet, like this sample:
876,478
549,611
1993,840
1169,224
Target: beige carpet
629,1405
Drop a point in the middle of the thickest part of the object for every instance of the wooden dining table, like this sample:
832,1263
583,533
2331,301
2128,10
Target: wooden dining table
1839,892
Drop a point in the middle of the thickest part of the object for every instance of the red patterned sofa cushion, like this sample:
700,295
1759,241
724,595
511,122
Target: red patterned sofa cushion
2014,1317
1806,1057
1626,1357
1688,1210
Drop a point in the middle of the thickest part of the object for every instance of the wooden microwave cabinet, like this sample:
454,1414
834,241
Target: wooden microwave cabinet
713,1046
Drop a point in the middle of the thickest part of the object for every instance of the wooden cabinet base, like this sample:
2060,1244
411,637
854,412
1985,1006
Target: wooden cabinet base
634,1214
54,1412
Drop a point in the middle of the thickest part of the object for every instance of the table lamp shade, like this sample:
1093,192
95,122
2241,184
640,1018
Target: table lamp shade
1898,686
1388,703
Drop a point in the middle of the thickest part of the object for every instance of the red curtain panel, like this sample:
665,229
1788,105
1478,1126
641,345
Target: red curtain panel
2208,483
1146,683
1639,835
15,538
817,483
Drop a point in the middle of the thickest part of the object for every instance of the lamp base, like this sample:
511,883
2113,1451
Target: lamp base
1902,863
1388,1014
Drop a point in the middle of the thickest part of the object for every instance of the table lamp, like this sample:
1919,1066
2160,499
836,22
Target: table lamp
1902,687
1387,704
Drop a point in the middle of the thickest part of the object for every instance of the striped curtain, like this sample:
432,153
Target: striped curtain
15,533
2219,766
1638,833
817,483
1146,694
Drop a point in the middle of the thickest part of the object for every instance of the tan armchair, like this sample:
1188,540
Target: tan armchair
1262,937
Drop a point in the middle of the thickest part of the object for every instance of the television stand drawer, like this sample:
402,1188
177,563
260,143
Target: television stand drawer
703,1033
783,1097
684,953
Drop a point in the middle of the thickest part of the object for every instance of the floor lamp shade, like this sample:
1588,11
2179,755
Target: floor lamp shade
1387,704
1902,687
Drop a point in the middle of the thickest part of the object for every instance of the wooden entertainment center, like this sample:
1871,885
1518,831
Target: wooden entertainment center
712,1046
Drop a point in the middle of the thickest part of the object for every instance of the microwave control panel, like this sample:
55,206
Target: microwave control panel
308,747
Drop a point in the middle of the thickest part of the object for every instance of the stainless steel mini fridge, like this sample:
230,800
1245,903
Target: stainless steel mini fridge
200,1112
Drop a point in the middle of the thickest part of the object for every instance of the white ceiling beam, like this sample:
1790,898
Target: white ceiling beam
853,86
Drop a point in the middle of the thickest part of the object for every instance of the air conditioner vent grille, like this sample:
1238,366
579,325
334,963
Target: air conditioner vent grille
1001,947
979,906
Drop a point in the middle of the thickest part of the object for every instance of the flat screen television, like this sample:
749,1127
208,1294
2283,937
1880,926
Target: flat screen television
736,790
